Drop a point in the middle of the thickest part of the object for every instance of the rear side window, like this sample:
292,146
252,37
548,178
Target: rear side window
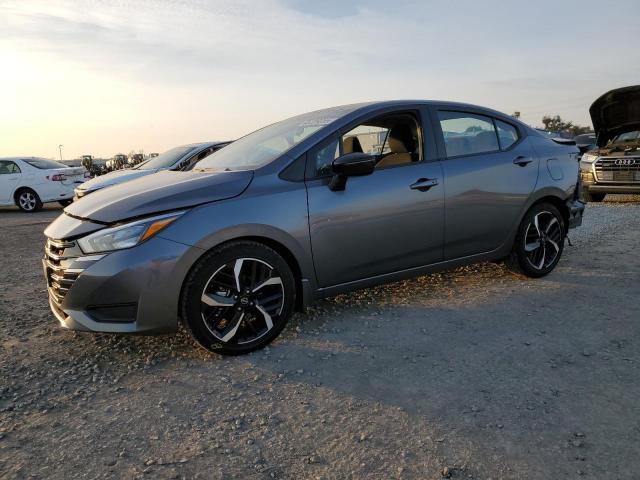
43,163
7,168
467,133
507,134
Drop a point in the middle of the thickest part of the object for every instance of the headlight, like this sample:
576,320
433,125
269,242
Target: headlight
589,158
127,235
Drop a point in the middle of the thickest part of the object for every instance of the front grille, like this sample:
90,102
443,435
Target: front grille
59,254
618,169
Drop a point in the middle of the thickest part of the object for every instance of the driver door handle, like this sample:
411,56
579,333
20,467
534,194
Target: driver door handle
424,184
522,160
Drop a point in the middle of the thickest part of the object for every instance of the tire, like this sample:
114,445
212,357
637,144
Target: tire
229,320
592,197
65,203
537,255
27,200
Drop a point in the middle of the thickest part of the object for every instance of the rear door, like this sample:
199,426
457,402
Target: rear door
489,171
380,223
9,178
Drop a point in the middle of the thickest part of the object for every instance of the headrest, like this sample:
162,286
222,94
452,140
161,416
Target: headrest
401,139
351,145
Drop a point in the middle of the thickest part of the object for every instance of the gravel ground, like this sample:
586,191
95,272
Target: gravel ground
473,373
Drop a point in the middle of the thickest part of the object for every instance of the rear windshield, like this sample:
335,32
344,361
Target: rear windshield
587,138
43,163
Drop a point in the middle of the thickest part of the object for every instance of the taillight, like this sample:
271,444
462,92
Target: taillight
58,177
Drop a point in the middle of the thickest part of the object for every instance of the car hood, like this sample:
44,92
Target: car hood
161,192
616,112
114,178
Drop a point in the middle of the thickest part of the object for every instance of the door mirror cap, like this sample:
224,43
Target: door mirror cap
350,164
356,163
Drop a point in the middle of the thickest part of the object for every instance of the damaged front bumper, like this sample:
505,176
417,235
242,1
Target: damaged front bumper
576,210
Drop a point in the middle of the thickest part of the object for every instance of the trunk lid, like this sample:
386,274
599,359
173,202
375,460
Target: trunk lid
616,112
73,175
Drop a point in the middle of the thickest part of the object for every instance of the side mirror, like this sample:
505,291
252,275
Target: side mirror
350,164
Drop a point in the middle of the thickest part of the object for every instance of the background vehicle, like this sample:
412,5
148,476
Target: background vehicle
614,165
307,208
585,142
28,182
178,158
135,159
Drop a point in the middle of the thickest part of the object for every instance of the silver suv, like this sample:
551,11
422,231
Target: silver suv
614,165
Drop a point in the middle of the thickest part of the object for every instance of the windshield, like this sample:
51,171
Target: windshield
167,159
265,145
43,163
627,137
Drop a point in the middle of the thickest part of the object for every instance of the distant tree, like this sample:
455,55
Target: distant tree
556,124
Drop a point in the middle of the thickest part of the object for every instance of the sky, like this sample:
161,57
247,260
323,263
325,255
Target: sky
102,77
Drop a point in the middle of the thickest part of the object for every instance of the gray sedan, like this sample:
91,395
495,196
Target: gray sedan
312,206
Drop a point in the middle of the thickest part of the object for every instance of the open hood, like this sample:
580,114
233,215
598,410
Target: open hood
616,112
163,191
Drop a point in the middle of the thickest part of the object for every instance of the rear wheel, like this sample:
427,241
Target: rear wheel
28,200
238,298
539,242
593,197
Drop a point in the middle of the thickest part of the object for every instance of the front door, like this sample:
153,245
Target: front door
9,177
388,221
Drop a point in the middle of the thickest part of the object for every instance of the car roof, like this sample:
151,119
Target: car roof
206,144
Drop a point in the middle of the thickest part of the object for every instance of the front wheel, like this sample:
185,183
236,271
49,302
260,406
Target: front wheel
238,298
539,241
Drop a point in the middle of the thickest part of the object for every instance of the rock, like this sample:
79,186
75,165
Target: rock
446,473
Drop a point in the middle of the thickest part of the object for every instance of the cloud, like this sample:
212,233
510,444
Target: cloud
236,64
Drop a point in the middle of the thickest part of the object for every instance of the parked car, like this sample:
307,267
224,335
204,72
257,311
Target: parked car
308,208
28,182
585,142
178,158
614,165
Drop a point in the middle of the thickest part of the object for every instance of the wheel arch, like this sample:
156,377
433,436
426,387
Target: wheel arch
557,202
22,188
303,291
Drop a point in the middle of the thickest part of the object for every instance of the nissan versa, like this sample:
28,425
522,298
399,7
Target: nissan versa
321,203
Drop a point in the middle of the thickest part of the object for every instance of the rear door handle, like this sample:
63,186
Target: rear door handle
424,184
522,160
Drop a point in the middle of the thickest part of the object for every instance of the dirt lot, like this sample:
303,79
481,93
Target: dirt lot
477,370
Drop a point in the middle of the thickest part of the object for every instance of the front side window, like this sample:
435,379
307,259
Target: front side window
43,163
393,138
467,133
7,167
507,134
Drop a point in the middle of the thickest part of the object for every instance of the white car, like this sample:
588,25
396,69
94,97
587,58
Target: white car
28,182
